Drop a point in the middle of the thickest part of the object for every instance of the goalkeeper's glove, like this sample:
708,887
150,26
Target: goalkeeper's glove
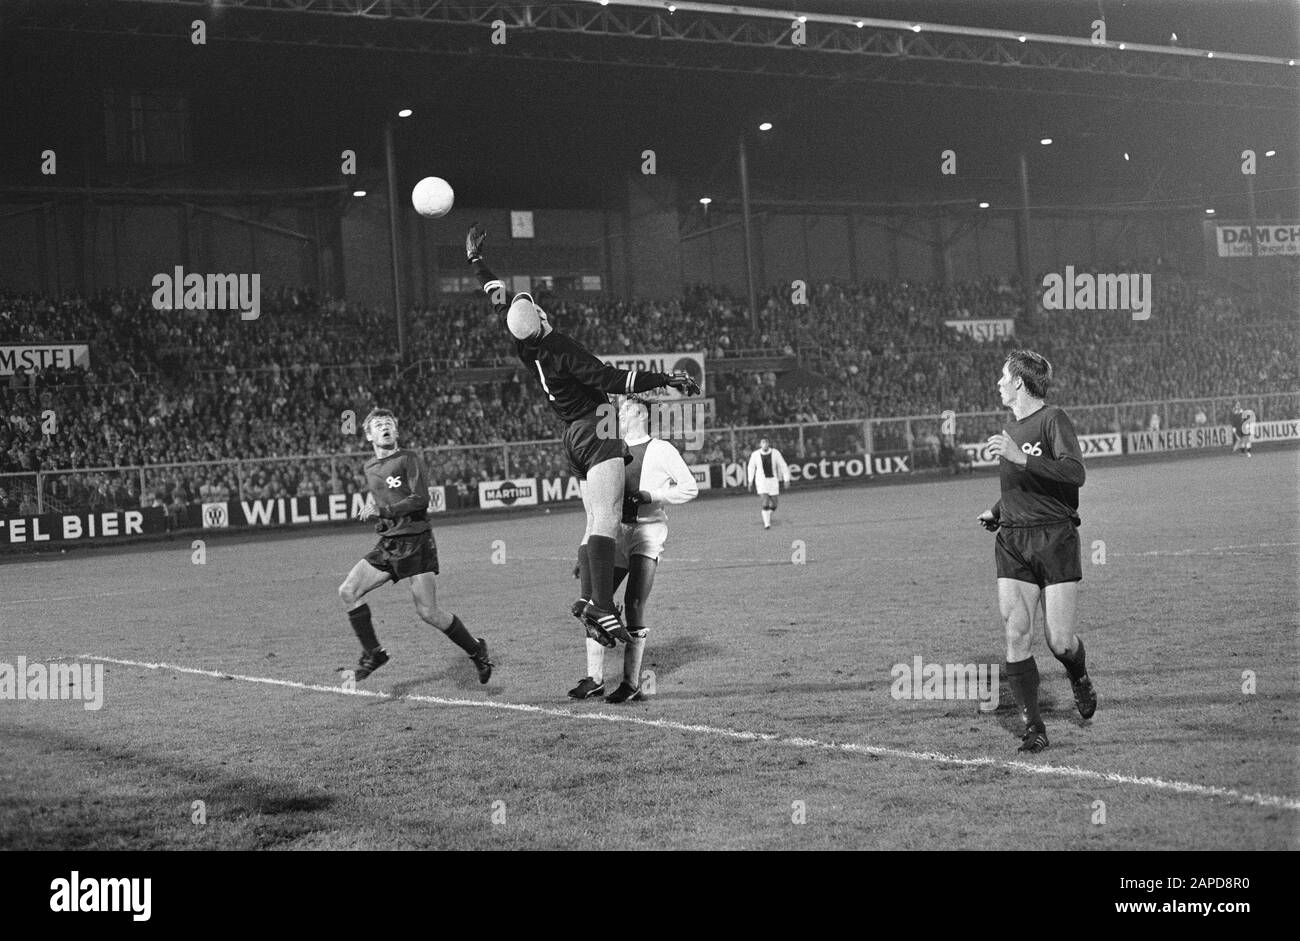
631,503
474,243
989,521
683,383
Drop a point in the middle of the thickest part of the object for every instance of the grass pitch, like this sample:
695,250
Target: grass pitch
772,726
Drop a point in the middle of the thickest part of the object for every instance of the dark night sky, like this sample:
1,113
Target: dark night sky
507,131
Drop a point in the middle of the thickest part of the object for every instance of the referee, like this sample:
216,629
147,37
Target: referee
1037,552
577,384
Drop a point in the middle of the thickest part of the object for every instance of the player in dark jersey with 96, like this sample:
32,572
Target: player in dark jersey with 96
578,385
1037,552
399,497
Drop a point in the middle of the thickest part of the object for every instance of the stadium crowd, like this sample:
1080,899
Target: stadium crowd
207,389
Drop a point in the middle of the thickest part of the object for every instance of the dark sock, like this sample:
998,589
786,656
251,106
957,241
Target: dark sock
461,637
584,571
1074,664
600,557
1023,677
360,618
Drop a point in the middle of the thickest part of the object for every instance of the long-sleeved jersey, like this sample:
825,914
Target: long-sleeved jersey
575,381
657,468
399,484
1046,489
767,468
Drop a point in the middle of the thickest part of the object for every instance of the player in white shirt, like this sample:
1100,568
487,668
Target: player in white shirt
1243,428
767,469
656,476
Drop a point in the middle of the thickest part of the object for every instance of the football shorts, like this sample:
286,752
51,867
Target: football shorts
585,447
403,556
1044,555
645,539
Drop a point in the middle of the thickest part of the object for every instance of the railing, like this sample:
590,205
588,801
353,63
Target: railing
464,466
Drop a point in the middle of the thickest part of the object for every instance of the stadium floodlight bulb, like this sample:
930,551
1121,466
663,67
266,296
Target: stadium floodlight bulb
1046,141
358,193
859,24
405,113
1209,55
705,200
1209,212
984,205
1270,153
803,19
765,126
1290,61
1121,47
1022,38
916,27
672,8
1126,155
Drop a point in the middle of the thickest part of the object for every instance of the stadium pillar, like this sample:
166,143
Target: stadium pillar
391,161
1254,243
850,226
749,235
1022,239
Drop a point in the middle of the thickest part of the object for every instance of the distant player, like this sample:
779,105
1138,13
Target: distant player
767,468
656,476
399,498
1243,428
577,384
1037,550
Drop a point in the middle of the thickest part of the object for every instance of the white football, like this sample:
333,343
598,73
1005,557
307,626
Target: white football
432,197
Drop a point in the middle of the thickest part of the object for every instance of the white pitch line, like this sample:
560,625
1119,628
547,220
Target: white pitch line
879,751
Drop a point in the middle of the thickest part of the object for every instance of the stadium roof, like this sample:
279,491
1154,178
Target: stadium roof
552,115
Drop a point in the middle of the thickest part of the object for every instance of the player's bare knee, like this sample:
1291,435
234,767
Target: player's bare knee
1016,626
427,613
348,595
1060,642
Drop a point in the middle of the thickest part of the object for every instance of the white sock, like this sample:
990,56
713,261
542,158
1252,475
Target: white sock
595,661
767,517
632,658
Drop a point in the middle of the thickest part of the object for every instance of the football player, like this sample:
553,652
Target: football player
767,469
1243,428
1037,551
578,384
656,476
399,499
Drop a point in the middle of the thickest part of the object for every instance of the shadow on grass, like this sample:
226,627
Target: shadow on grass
671,655
86,795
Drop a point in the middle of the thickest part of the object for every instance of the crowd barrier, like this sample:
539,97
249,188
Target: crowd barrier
121,524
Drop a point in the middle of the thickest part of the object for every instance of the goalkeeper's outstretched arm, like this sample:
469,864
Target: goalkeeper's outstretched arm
492,286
